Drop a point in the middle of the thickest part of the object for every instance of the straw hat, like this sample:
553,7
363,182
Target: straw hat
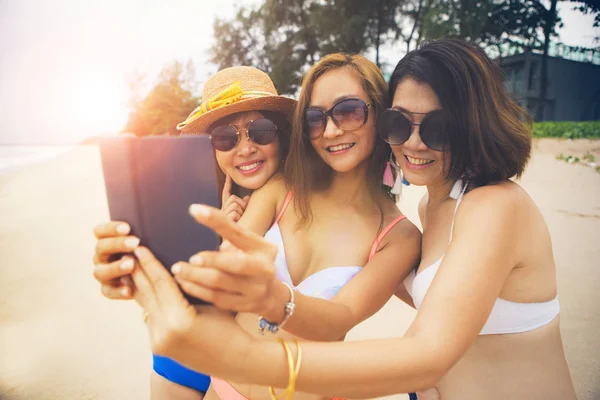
234,90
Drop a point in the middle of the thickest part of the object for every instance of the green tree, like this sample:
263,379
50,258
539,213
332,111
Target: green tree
464,19
355,26
415,11
169,102
284,37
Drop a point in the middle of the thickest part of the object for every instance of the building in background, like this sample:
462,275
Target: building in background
573,92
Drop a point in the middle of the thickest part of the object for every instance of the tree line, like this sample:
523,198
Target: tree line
285,37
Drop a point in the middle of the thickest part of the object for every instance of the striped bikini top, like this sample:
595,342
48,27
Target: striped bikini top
326,283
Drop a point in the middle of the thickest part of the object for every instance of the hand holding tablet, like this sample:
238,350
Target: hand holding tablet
150,184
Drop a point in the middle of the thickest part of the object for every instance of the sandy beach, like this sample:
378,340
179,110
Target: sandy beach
60,339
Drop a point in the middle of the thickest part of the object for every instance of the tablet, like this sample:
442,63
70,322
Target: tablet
150,183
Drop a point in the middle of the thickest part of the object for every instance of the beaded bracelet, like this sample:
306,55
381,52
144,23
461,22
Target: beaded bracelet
264,325
293,371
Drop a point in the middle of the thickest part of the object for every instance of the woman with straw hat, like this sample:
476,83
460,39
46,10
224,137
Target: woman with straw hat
249,126
236,100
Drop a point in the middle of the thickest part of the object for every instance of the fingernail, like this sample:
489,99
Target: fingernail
125,291
138,252
176,268
196,259
123,229
132,242
127,265
199,209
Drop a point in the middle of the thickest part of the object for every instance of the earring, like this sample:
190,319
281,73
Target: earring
388,176
460,186
397,187
456,189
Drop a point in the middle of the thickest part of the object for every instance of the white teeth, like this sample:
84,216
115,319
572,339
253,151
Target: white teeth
340,147
418,161
248,167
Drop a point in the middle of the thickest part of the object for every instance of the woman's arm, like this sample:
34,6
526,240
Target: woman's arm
453,313
401,292
263,206
361,297
315,319
235,292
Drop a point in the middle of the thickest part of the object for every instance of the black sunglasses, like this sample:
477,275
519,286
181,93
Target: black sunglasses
395,128
226,137
347,114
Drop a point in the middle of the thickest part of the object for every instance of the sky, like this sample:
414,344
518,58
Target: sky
64,64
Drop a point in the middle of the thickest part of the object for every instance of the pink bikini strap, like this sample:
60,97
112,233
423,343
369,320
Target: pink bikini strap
285,204
382,235
224,390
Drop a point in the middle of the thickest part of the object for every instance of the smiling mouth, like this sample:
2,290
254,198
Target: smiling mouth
340,147
249,167
418,161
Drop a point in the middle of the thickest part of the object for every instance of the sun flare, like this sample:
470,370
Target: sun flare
97,104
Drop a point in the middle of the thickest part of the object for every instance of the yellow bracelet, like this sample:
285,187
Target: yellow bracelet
290,361
293,371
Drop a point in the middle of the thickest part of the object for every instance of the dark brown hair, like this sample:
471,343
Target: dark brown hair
305,171
284,129
489,133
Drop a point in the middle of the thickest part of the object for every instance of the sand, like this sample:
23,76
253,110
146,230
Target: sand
60,339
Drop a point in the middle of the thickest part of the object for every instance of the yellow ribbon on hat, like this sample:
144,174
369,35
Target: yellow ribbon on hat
226,97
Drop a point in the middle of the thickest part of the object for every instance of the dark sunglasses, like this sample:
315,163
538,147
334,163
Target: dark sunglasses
347,114
395,128
226,137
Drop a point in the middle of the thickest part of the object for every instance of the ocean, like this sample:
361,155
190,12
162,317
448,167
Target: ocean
15,157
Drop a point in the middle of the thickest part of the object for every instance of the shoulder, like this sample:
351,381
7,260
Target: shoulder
400,249
276,182
493,207
502,197
404,228
263,205
270,195
406,232
403,235
273,188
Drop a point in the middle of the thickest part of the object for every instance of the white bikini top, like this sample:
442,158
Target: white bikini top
506,316
326,283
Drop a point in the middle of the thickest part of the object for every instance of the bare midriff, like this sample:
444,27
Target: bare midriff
529,365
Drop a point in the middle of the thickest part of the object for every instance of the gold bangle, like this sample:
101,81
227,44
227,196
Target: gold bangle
298,360
292,389
290,362
293,368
